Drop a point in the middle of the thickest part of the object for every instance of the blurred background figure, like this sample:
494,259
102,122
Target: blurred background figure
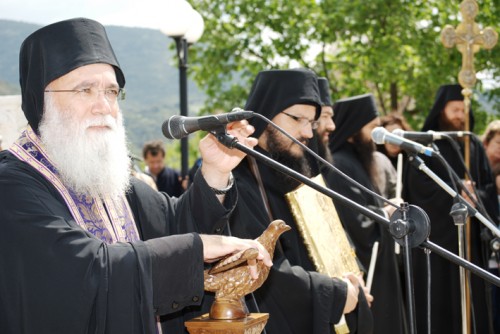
353,154
167,179
392,122
491,143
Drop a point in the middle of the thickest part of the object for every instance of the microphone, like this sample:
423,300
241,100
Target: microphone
429,136
381,136
177,127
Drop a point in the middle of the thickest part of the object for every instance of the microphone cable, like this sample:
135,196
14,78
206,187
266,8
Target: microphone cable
448,169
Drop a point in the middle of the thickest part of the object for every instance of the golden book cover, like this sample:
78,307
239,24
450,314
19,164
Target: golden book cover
322,231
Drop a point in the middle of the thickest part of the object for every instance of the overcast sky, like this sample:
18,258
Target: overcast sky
130,13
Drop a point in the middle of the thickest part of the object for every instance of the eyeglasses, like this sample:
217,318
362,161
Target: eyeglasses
304,121
91,94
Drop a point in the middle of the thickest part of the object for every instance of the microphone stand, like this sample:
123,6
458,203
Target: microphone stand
409,226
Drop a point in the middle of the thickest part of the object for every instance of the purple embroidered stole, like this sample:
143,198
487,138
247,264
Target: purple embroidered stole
109,219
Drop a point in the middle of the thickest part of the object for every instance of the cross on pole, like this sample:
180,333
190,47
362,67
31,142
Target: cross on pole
468,38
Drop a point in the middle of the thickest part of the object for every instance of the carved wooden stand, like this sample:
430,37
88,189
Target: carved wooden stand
252,324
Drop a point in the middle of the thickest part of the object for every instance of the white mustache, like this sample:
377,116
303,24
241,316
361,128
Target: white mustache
107,121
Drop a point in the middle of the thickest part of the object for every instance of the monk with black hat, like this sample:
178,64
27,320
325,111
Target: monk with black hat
84,248
319,142
448,114
353,154
298,299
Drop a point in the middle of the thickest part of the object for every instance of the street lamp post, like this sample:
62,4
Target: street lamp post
185,26
182,54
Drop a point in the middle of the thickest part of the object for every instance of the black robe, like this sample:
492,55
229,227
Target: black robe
58,278
421,191
387,307
298,299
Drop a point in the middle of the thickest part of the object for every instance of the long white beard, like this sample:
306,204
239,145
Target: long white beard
89,162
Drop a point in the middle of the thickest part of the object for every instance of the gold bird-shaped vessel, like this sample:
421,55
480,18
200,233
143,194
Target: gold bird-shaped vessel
230,278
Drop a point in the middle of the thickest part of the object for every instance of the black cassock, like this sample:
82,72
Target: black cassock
421,191
58,278
298,299
387,307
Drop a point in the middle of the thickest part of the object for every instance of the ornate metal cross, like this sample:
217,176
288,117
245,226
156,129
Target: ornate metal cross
468,38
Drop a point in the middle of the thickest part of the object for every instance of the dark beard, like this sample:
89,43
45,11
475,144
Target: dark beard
280,154
324,151
365,150
446,125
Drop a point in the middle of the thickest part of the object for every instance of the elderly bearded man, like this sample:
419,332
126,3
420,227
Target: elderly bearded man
77,255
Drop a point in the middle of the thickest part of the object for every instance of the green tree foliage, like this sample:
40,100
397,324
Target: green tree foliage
391,48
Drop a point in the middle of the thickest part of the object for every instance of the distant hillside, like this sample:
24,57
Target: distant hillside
150,68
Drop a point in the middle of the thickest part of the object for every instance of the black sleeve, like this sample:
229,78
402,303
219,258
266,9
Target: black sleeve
327,311
197,210
158,215
177,278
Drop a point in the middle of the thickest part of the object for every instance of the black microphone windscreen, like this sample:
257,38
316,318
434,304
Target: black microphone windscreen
171,128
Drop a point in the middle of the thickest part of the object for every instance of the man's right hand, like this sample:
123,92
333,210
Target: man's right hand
354,283
217,246
352,293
